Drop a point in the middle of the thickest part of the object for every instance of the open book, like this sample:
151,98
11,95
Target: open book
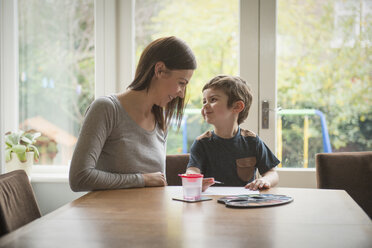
229,191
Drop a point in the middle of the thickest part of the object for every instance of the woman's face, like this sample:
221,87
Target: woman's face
171,84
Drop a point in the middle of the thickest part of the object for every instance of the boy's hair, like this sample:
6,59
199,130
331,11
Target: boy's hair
236,89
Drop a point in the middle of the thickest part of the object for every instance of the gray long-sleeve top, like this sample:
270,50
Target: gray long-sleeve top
113,151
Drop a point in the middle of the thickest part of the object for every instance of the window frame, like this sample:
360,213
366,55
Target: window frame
114,45
9,71
9,74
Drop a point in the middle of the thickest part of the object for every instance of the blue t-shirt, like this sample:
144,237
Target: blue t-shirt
232,161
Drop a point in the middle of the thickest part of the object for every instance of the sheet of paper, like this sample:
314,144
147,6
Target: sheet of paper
229,191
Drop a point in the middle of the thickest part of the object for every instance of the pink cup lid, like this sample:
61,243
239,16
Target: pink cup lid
191,175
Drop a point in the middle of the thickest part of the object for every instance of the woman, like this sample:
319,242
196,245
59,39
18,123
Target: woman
122,143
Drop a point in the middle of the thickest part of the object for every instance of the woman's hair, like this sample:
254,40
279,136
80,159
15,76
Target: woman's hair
176,55
236,89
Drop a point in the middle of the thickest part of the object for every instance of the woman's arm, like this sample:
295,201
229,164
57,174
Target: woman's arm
84,176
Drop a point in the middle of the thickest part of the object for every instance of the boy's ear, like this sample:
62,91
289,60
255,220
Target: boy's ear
238,106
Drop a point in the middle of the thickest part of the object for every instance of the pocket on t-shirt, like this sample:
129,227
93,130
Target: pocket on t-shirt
245,168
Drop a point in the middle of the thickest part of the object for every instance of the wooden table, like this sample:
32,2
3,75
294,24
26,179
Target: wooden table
148,217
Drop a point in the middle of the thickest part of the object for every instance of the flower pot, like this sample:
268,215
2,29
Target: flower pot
15,164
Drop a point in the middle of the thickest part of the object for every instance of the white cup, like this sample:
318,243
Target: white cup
192,186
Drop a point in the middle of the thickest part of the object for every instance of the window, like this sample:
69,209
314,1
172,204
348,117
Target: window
231,32
56,72
323,67
211,28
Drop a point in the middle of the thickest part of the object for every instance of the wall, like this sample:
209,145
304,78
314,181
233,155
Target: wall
52,195
297,178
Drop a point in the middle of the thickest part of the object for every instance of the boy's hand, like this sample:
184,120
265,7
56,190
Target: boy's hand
207,182
260,183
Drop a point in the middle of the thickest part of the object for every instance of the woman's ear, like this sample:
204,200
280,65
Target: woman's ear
159,69
238,106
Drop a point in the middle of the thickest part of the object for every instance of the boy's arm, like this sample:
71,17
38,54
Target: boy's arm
271,176
206,181
269,179
197,157
266,161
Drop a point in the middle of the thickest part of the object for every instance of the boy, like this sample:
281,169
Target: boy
228,153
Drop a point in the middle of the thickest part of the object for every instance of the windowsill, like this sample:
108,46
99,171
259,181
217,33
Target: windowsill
49,174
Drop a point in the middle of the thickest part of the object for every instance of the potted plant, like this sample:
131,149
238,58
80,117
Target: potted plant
20,152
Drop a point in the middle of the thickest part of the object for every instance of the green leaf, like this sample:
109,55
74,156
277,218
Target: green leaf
20,150
7,155
12,139
26,140
36,135
8,144
28,135
32,137
36,152
17,136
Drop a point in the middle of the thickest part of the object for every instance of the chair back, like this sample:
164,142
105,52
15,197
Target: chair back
175,164
350,171
18,205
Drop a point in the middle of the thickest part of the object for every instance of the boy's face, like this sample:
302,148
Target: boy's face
215,110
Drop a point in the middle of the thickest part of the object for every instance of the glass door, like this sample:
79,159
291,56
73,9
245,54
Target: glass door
324,80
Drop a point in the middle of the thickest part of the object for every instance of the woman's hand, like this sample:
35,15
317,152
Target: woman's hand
155,179
260,183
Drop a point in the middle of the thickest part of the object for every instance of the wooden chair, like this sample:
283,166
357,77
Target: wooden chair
175,164
350,171
18,205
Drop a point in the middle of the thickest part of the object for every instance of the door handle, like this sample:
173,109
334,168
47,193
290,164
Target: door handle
265,114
